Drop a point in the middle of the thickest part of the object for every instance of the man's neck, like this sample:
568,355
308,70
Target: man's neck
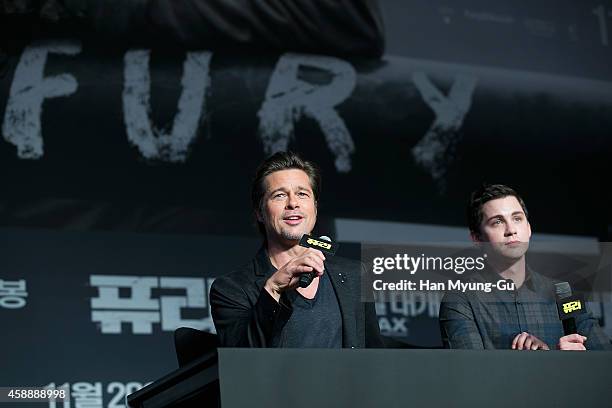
281,253
510,269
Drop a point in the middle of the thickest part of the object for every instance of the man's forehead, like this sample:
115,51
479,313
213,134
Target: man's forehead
287,179
503,205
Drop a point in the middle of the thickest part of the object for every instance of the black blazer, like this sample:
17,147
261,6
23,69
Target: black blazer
245,314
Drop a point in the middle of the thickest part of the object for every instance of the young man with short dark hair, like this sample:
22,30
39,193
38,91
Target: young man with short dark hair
524,319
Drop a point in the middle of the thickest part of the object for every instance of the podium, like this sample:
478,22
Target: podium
195,384
275,378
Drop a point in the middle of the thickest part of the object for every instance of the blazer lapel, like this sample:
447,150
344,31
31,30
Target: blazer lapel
342,283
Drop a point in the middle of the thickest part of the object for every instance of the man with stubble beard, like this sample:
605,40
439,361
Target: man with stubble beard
260,304
524,319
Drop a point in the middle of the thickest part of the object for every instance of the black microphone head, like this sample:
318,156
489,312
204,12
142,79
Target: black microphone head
307,277
563,290
323,244
569,307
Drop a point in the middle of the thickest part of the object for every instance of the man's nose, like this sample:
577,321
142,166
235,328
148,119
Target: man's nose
292,201
510,229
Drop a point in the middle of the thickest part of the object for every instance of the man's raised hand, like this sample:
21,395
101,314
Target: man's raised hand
287,276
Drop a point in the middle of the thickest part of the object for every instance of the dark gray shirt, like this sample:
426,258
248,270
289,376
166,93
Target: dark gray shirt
316,322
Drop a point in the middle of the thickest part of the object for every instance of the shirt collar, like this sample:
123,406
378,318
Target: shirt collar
262,263
533,280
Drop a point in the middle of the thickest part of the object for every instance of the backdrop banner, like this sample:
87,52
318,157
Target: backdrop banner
414,137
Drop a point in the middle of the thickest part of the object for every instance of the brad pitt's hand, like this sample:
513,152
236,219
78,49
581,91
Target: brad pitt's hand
287,277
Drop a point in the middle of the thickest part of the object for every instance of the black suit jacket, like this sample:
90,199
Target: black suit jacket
245,314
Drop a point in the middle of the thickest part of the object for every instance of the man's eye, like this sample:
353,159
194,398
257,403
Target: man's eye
303,194
497,222
278,195
518,219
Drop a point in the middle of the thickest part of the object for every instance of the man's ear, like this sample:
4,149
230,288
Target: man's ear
258,216
529,226
475,236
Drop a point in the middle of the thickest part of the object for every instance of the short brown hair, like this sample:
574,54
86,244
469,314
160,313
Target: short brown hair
277,162
485,193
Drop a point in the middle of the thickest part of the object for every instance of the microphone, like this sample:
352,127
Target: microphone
568,307
323,244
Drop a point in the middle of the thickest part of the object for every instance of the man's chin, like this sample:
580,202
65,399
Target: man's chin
508,254
292,235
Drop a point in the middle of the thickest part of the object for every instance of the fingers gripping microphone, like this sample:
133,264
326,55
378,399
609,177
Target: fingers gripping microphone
568,307
323,244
